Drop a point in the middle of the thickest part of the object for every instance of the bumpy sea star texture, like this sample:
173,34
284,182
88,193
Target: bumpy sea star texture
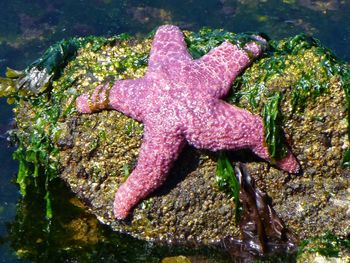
178,100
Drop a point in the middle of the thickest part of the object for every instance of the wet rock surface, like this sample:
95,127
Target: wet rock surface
308,202
97,152
190,207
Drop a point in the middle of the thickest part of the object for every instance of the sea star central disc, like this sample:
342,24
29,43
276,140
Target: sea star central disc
178,100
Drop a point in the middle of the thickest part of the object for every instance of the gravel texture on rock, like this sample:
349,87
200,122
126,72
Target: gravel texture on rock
97,152
317,200
189,207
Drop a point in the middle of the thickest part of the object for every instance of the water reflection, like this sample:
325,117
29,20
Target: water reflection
8,191
76,236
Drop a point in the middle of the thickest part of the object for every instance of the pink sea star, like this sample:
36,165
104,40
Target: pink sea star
178,100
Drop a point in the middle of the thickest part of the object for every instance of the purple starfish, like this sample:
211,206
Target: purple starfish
178,100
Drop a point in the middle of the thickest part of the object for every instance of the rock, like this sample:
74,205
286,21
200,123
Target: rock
179,259
95,153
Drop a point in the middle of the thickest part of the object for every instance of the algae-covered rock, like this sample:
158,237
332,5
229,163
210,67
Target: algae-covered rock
297,87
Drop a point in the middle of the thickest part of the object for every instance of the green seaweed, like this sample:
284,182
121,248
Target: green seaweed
273,130
37,153
23,170
200,43
311,80
39,75
346,85
299,64
228,182
328,245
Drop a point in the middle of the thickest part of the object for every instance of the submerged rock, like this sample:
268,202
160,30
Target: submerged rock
297,87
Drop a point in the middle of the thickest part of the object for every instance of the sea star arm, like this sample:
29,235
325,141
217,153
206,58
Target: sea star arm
235,128
124,96
168,46
95,102
223,63
158,151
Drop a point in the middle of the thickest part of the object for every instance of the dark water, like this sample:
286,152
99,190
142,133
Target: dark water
27,28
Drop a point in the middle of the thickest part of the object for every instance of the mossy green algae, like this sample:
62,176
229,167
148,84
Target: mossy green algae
296,69
37,134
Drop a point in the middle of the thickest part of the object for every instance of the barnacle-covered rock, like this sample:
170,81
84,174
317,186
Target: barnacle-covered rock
297,87
314,90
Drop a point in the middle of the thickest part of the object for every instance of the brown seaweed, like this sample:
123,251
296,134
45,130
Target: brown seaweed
263,233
